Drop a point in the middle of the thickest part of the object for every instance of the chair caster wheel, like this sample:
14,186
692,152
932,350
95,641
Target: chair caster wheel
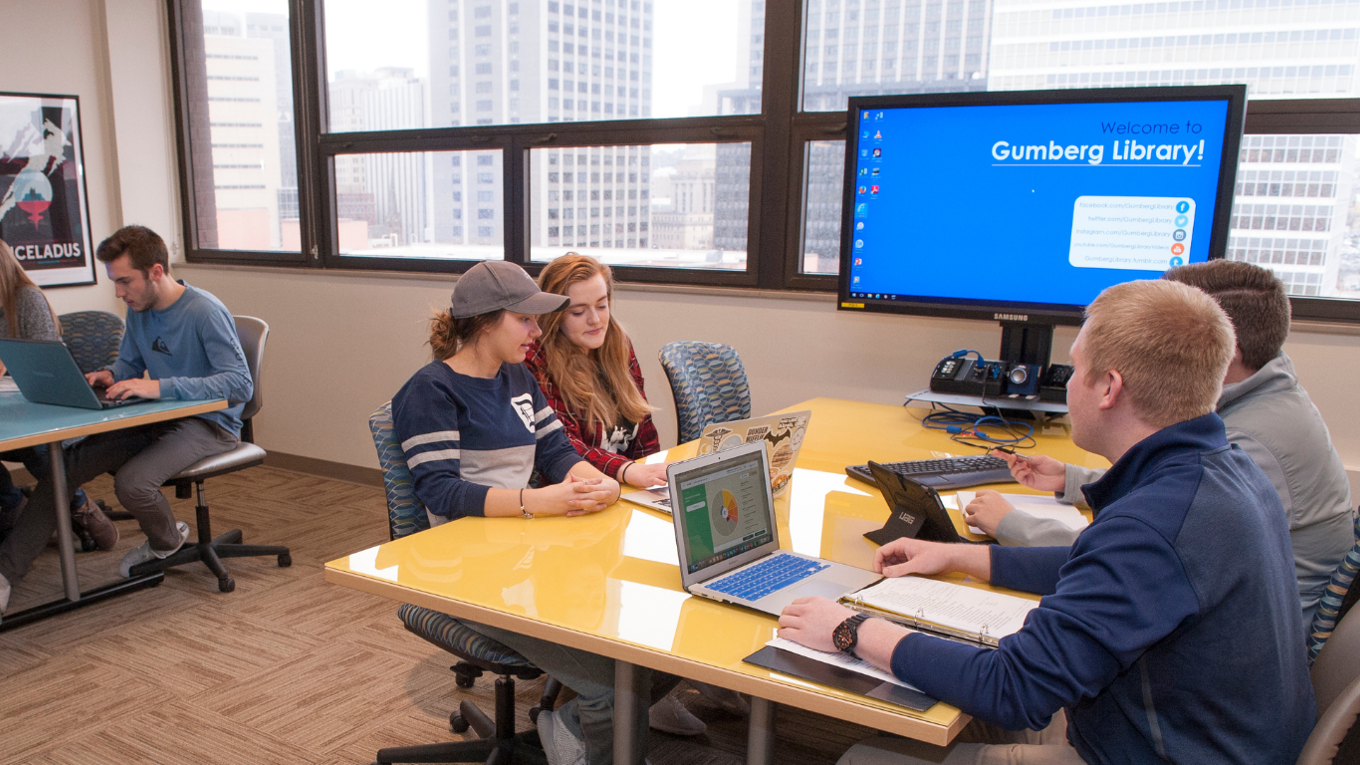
457,723
533,713
285,560
87,544
464,682
226,585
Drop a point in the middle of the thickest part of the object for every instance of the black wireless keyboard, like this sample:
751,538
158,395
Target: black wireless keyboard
947,473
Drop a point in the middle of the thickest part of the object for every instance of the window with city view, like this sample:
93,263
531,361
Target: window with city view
701,141
666,206
478,62
242,103
1293,211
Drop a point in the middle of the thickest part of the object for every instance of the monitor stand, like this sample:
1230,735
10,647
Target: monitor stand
1024,342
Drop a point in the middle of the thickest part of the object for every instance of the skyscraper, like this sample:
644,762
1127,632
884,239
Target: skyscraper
387,191
854,48
542,61
243,120
1294,193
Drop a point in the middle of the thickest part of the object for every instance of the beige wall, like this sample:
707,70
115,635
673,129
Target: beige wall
58,47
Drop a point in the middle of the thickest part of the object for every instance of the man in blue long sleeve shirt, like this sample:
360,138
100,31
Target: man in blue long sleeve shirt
1169,630
186,340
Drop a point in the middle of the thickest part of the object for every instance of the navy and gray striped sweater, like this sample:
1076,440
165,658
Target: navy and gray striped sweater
464,435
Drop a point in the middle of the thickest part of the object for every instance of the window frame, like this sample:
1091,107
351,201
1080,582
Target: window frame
779,137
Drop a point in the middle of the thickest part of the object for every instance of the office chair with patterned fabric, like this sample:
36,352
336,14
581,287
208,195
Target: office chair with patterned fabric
499,742
708,383
93,337
1336,599
210,550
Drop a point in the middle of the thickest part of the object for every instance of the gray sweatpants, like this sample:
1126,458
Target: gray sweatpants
141,459
978,744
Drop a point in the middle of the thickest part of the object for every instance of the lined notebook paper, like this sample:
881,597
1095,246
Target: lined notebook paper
944,607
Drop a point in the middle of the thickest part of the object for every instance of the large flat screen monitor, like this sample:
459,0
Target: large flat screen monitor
1023,206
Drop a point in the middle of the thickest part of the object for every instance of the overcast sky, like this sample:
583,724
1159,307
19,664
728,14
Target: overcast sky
694,42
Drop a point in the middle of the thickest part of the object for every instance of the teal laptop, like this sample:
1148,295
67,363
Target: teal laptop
47,373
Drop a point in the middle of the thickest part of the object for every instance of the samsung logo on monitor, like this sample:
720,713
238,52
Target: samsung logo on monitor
1010,317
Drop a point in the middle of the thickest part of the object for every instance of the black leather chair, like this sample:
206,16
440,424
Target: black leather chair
209,550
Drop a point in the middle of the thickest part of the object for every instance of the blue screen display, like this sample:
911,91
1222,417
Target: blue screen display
1031,203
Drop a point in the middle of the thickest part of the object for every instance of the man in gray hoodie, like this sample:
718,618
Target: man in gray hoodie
1267,413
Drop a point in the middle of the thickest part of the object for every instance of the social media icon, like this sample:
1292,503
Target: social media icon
1177,248
1178,235
1182,221
1177,261
1182,206
859,243
859,226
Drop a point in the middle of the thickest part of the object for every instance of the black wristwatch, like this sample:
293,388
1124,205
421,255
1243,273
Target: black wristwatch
846,635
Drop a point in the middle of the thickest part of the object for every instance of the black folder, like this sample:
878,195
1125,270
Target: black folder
778,660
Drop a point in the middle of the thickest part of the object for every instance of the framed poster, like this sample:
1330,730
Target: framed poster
44,214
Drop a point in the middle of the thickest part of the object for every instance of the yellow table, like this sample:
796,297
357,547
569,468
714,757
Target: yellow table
609,583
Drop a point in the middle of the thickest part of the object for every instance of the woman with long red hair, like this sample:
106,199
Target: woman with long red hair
585,364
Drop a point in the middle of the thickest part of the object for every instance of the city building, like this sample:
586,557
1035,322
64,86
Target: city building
243,117
542,61
389,192
1294,193
683,199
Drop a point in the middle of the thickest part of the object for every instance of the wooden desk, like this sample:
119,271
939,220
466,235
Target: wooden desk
609,583
24,423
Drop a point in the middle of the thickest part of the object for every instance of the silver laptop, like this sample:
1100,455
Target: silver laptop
784,432
729,542
47,373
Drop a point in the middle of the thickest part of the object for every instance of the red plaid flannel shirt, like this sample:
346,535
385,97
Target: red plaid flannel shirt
608,463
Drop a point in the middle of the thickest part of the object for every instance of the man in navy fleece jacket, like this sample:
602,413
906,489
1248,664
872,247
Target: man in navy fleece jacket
1169,630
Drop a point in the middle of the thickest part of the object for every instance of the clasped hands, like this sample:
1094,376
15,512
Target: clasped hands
573,496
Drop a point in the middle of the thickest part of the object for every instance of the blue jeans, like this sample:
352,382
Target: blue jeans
36,462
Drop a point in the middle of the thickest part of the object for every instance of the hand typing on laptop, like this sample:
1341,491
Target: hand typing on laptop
137,387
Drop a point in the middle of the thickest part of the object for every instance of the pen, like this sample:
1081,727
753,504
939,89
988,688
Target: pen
1009,450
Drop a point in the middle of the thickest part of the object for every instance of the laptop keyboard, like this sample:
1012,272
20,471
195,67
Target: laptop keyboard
770,575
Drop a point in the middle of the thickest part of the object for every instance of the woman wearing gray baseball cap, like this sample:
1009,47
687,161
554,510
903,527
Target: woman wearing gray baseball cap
474,425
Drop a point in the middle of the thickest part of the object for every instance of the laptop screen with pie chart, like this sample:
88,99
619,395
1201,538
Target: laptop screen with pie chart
726,510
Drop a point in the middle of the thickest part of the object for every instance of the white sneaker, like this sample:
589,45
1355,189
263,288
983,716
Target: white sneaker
670,716
560,746
143,552
5,591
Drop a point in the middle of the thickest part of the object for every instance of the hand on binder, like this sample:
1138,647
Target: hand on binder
811,621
